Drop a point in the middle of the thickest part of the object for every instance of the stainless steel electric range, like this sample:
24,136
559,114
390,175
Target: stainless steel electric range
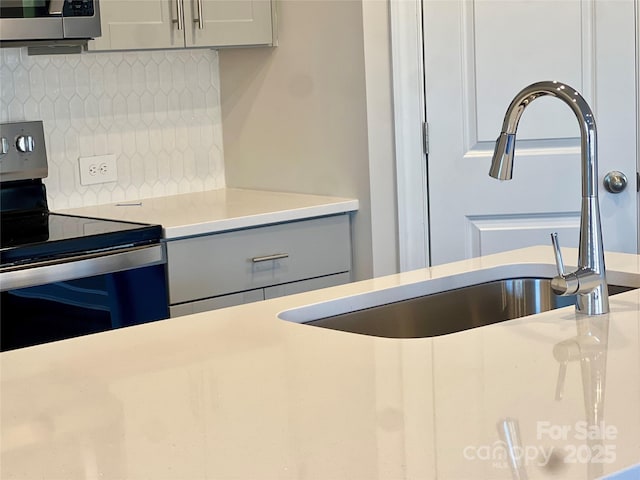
63,276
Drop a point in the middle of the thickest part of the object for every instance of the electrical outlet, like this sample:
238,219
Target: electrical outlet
98,169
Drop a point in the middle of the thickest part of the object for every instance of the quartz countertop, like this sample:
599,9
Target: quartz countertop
239,393
219,210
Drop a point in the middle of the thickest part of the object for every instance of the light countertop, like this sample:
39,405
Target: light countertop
238,393
219,210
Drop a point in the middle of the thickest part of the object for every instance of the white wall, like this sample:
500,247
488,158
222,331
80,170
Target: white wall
313,115
159,112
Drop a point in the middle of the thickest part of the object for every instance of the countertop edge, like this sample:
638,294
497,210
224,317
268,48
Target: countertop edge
214,211
260,219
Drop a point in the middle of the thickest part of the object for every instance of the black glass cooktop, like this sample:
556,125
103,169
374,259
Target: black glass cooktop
42,236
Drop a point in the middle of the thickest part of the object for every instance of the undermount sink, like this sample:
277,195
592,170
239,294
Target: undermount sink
443,312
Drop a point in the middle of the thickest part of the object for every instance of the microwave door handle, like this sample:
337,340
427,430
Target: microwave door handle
55,7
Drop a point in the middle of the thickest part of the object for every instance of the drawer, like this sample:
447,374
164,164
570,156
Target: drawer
223,263
306,285
218,302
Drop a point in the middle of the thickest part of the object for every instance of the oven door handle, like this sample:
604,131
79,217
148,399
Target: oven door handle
82,266
55,7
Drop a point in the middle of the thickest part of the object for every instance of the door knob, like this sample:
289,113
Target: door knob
615,181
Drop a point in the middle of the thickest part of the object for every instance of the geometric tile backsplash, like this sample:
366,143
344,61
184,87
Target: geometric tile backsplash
157,111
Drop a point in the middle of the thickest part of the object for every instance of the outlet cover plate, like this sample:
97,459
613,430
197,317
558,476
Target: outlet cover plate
98,169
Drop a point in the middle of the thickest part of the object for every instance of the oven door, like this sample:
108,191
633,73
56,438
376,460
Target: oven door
74,305
37,20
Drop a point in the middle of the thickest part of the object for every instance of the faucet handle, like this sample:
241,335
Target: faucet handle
558,253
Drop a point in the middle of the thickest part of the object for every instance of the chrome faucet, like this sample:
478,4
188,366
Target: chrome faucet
589,280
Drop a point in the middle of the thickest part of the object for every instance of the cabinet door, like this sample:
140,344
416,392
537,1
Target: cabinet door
135,25
220,23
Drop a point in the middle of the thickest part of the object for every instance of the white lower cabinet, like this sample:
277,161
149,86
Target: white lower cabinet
241,266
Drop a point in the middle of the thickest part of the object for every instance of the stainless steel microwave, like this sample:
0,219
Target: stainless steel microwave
42,21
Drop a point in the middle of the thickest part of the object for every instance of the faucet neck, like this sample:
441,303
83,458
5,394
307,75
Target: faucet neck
586,120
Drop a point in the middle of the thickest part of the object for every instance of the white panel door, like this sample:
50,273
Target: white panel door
478,55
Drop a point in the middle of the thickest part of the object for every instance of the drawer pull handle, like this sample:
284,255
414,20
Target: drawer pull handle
266,258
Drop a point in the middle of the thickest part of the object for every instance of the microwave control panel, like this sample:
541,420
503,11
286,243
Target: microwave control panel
78,8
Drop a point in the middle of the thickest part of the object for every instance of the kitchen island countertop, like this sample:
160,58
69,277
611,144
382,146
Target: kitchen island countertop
219,210
239,393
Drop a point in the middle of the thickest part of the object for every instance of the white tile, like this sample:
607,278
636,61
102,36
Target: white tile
67,81
189,164
137,170
31,111
72,60
204,73
10,58
150,169
76,109
128,140
36,83
7,91
119,106
100,144
161,107
92,114
114,143
155,139
110,79
152,78
178,76
16,110
147,115
133,109
158,111
46,109
142,143
169,140
104,196
164,171
176,166
83,79
71,147
21,82
124,172
96,78
62,113
164,70
146,191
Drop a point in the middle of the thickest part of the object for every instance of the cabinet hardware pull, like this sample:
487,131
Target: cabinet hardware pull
200,19
180,13
266,258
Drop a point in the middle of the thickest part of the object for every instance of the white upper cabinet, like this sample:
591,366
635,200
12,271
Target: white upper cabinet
227,23
148,24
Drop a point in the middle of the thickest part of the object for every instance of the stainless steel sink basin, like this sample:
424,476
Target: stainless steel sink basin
454,310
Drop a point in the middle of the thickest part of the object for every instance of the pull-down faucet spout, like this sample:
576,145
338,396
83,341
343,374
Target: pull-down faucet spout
589,280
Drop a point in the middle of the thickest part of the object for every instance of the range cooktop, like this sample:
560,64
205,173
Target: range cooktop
29,232
35,237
